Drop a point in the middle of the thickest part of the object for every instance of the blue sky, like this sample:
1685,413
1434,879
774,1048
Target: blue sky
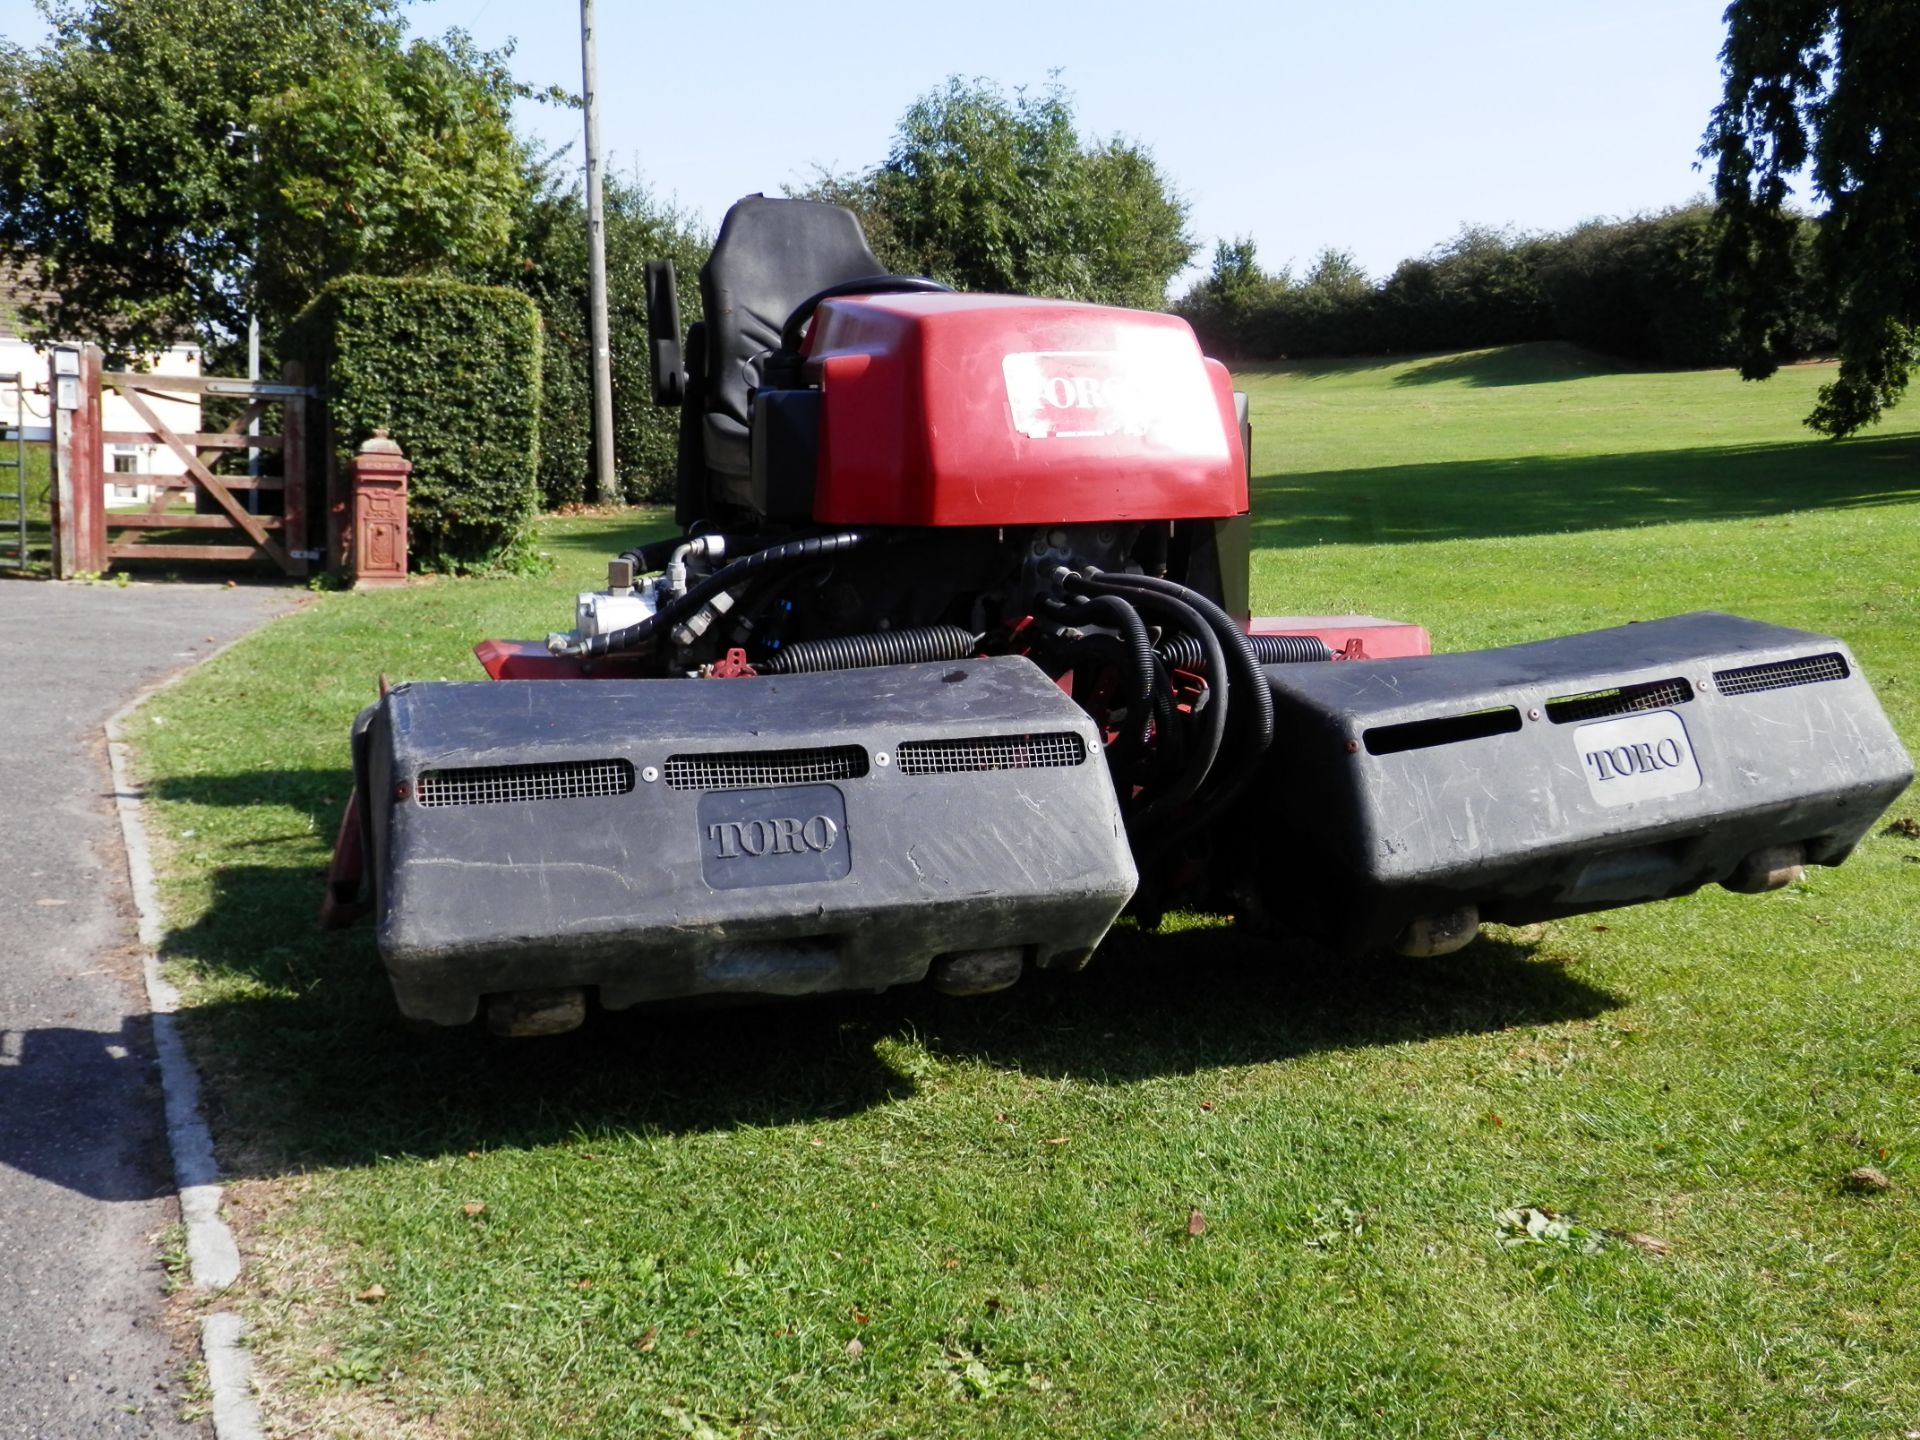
1380,126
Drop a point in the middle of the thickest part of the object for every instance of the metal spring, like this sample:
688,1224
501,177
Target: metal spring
881,647
1182,652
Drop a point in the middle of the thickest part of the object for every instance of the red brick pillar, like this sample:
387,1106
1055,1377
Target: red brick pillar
379,545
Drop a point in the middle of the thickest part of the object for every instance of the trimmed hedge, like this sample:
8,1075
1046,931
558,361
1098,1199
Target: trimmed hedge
553,270
1645,289
453,372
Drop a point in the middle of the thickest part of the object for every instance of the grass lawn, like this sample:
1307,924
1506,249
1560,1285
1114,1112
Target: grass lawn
1204,1189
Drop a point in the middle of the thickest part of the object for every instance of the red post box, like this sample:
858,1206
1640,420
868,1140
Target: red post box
379,545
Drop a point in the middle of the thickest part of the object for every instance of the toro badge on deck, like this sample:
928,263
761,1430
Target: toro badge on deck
1637,757
784,836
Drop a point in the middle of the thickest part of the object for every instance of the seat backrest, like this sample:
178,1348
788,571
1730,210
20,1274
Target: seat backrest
768,257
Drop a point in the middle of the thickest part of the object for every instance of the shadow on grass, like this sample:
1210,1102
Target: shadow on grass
310,1062
1536,364
1194,1000
1532,495
1528,363
597,536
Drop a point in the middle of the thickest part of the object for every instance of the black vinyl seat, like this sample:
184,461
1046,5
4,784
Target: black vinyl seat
769,256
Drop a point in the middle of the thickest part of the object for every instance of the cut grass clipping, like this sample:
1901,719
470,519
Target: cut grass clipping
1588,1178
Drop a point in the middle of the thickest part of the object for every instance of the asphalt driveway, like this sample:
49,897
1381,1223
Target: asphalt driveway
85,1179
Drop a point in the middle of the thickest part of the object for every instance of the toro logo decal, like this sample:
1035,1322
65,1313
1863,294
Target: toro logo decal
784,836
1637,757
1642,757
1058,394
787,835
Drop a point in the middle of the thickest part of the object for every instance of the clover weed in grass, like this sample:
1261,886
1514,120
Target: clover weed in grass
903,1215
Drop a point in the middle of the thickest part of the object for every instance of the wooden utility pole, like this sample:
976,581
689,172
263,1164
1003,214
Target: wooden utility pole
606,486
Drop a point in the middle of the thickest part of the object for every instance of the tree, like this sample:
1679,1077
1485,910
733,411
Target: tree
396,161
1236,277
987,192
1482,287
1336,275
550,263
1232,308
1834,86
1643,288
172,166
1237,282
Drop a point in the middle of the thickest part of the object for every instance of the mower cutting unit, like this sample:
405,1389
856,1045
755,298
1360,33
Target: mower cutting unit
952,663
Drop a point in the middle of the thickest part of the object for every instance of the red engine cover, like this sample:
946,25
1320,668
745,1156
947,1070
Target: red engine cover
998,410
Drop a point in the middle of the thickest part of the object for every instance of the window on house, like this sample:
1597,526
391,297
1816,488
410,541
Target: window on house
126,461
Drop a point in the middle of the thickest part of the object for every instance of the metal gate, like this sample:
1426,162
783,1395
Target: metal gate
90,535
13,472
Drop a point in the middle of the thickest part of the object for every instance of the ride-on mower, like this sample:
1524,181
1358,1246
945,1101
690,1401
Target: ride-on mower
953,663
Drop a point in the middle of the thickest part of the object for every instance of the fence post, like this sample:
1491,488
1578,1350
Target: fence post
379,545
79,496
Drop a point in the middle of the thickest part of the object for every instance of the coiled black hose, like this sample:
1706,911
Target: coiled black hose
1231,646
736,573
1213,716
1183,652
1112,611
882,647
1233,639
1169,747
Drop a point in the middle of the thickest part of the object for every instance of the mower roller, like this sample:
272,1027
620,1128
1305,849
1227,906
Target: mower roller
952,664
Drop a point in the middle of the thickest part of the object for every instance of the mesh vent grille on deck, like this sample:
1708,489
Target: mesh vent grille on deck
548,780
1648,695
754,769
1779,674
991,752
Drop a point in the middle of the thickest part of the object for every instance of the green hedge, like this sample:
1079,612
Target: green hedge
554,272
453,372
1644,289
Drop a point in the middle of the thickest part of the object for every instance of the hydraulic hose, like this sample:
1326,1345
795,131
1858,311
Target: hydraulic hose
651,556
1112,611
1213,715
1091,654
728,577
1169,749
1183,652
1239,649
1236,648
882,647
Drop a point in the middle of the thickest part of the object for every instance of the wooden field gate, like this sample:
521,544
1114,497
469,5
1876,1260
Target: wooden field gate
89,535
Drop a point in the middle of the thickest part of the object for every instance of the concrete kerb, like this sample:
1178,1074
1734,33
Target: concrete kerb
213,1257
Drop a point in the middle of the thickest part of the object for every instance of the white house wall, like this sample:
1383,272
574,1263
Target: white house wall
181,415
